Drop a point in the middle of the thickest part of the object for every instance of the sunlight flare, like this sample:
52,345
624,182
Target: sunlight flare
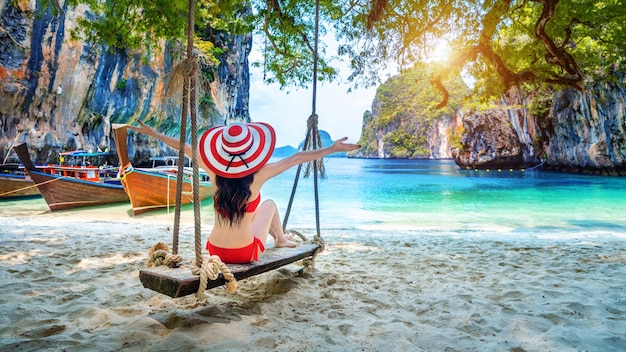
441,51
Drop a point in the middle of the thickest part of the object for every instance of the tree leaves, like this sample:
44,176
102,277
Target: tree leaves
502,43
538,42
131,24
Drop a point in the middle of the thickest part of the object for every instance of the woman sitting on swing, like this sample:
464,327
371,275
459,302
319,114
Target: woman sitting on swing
236,158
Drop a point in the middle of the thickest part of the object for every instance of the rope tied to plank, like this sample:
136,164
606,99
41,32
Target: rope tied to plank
209,270
310,262
318,240
159,254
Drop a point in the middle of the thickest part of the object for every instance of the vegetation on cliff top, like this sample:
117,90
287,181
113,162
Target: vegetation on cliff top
503,43
407,108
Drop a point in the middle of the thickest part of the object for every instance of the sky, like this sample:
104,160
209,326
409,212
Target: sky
339,113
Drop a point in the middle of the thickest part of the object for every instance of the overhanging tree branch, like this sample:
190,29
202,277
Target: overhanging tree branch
557,55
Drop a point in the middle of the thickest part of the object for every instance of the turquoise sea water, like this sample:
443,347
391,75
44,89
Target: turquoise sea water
436,197
366,197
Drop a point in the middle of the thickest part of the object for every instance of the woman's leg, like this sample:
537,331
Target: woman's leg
267,221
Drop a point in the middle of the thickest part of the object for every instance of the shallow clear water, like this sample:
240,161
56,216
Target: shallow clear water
365,197
431,197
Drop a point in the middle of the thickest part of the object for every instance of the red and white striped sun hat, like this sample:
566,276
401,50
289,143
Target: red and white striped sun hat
237,150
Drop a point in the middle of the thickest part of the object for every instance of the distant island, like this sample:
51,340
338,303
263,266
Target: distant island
285,151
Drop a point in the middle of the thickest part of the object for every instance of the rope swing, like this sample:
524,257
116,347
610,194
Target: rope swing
312,141
171,280
206,267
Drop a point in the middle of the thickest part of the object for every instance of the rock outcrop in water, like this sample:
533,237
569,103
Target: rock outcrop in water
571,131
489,141
60,94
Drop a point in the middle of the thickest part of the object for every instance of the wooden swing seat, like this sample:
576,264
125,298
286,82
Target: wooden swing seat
178,282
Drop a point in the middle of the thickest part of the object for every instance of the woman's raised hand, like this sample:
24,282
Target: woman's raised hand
143,128
340,145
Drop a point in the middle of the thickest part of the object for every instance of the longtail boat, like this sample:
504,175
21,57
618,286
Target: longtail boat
66,186
153,188
15,183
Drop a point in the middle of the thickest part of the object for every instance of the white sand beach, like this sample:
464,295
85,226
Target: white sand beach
70,282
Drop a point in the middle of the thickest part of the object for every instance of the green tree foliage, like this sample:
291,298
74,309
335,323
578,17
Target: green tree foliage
131,24
502,43
288,28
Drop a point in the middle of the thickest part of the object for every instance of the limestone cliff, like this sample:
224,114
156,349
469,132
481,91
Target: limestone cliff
431,139
489,141
404,121
567,131
586,132
61,94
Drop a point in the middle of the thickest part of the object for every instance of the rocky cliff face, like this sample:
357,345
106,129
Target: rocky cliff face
404,121
489,141
587,131
60,94
441,134
573,132
379,141
568,131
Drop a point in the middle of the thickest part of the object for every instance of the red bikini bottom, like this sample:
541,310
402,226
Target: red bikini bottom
241,255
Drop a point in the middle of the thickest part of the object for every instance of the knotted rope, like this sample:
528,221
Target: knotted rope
310,262
317,239
180,72
210,269
313,141
159,254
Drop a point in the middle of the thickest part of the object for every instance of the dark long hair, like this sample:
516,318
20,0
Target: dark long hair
231,198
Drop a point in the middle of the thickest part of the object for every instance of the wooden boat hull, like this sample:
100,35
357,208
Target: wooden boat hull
66,192
150,191
13,187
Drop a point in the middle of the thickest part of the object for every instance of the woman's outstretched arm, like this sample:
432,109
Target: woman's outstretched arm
170,141
272,169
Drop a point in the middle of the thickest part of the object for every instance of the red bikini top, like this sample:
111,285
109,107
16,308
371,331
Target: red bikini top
253,205
250,208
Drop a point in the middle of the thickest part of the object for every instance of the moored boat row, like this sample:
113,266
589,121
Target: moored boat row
66,187
82,184
15,183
